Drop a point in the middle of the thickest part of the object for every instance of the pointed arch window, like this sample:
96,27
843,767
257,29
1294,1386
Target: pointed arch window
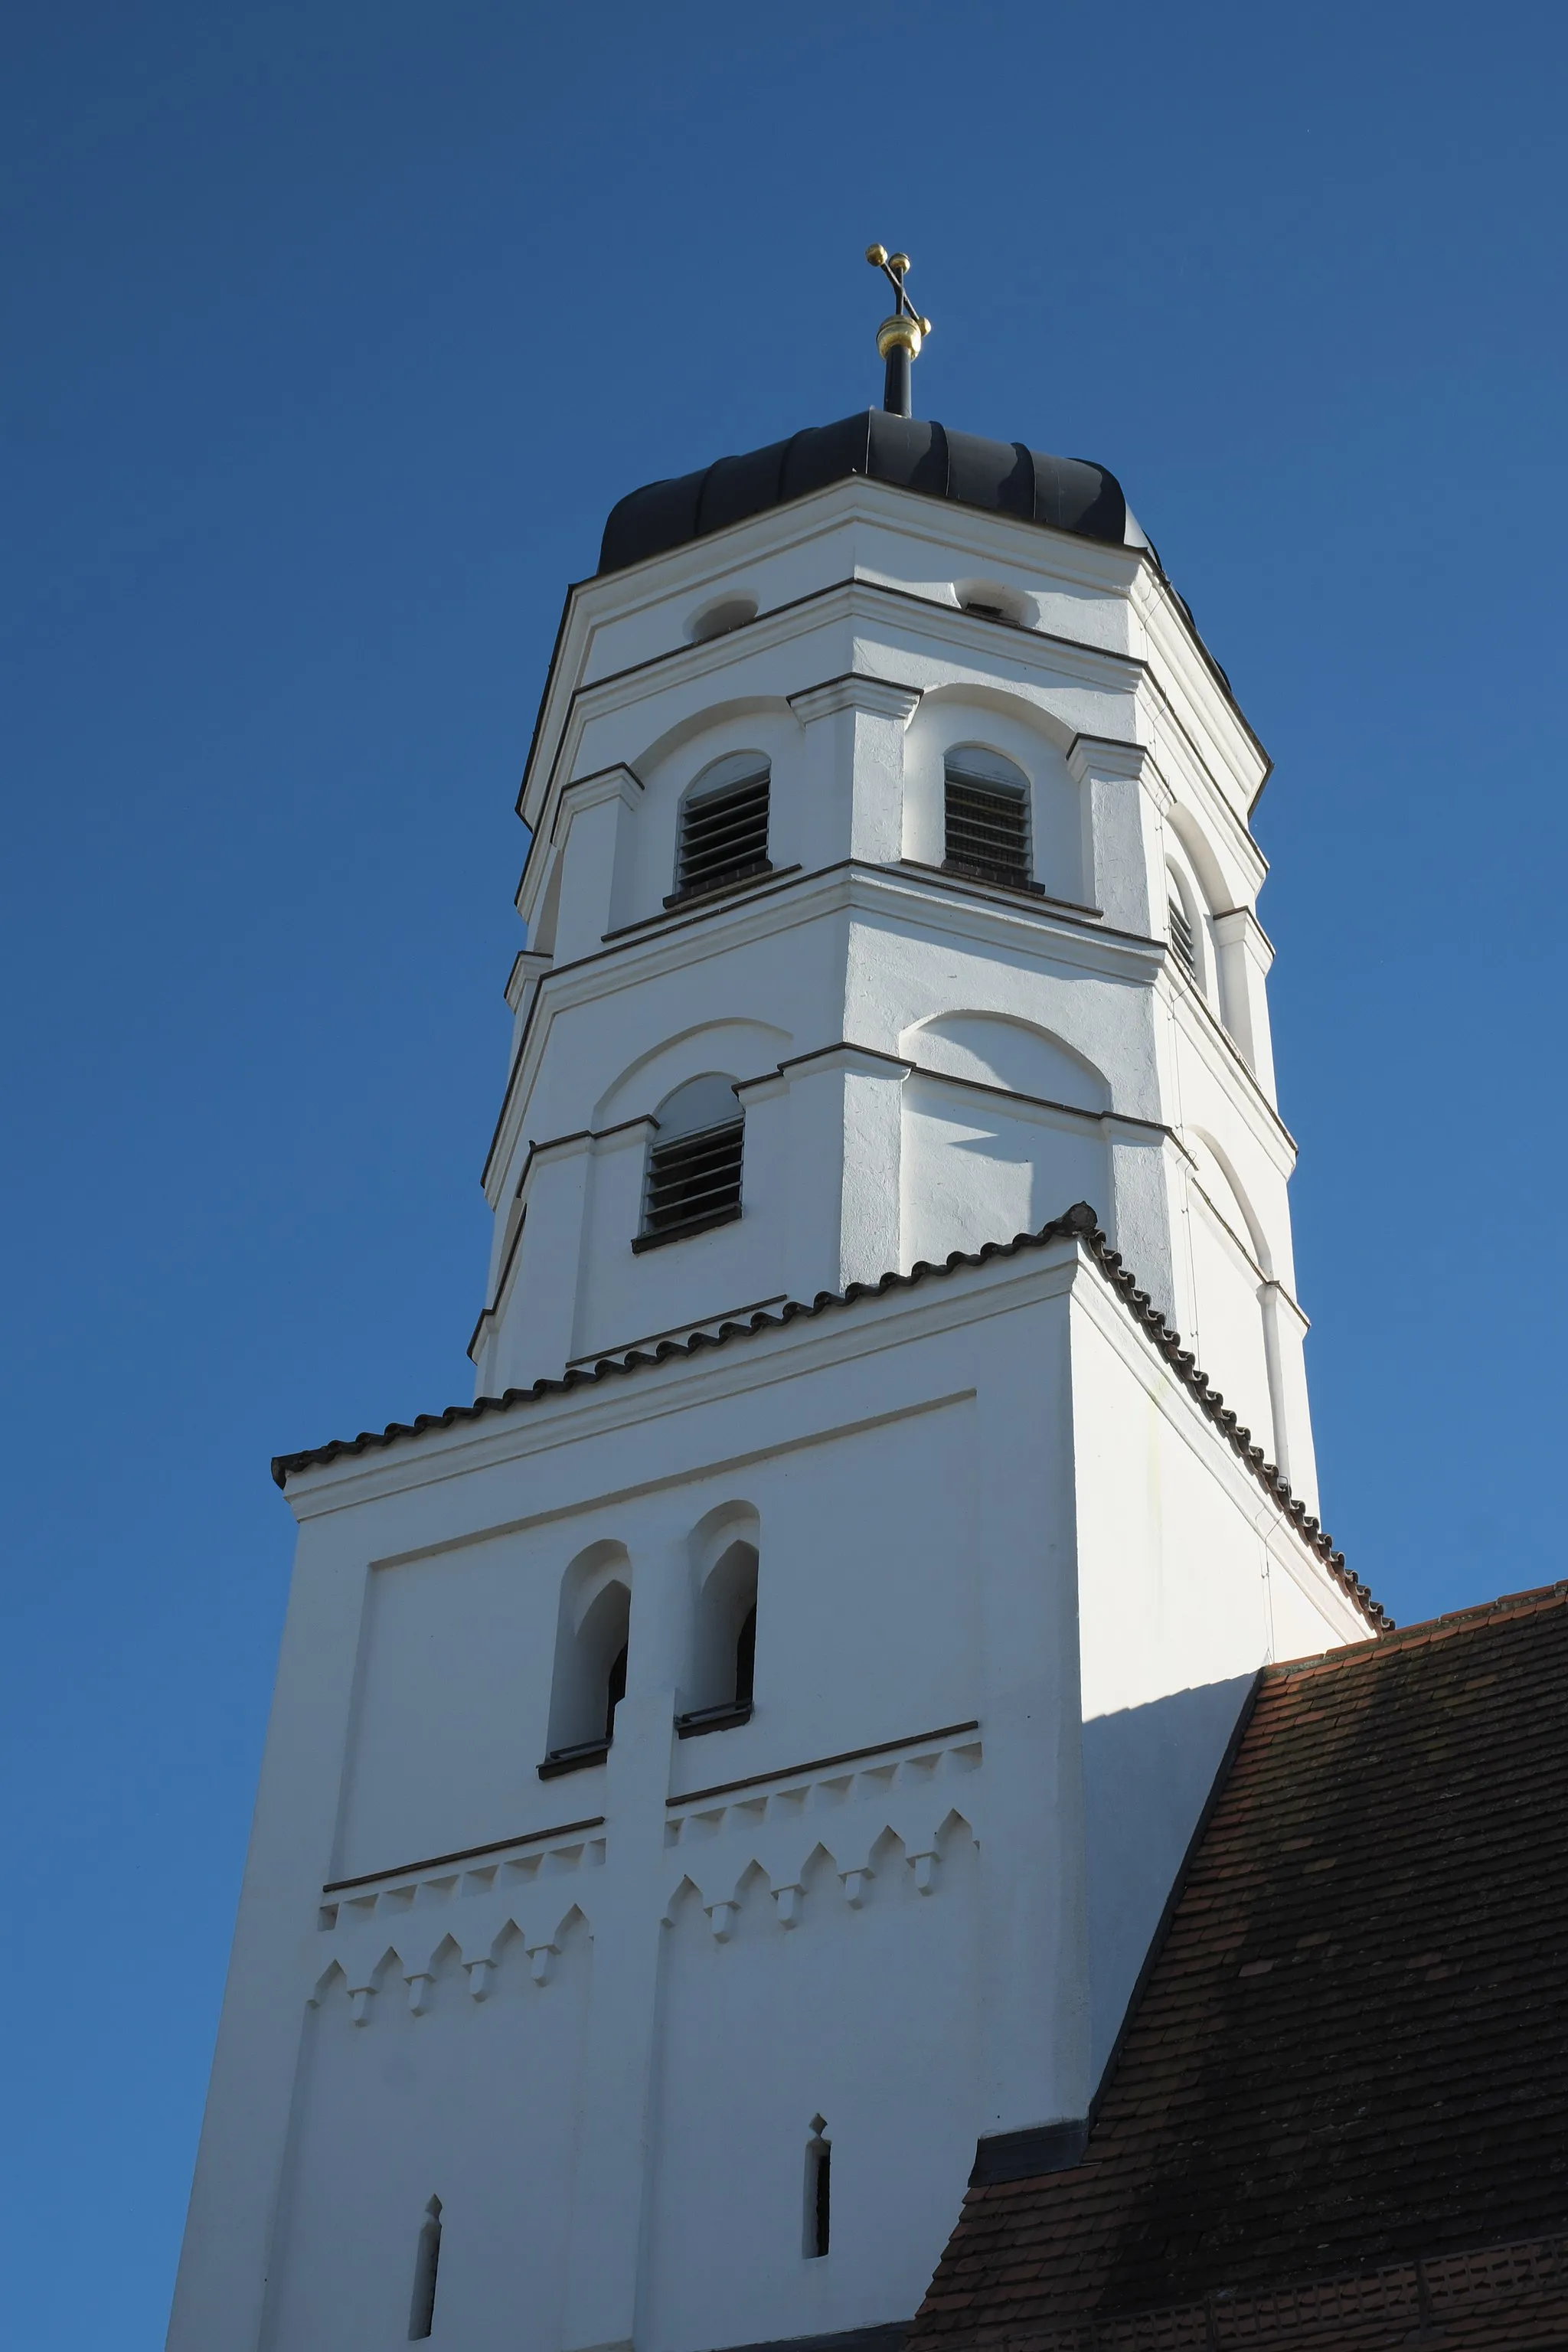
987,817
426,2262
819,2191
724,1648
591,1651
724,826
694,1162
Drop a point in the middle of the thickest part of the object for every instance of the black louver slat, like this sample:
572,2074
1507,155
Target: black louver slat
1182,936
725,837
695,1178
987,831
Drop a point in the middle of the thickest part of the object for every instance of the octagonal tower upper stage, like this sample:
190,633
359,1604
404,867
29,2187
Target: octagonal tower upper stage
925,1052
697,518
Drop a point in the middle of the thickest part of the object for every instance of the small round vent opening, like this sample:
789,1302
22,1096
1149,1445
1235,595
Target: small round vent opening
718,620
988,601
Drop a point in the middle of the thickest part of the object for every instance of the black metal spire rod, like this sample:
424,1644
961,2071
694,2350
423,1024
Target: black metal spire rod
899,339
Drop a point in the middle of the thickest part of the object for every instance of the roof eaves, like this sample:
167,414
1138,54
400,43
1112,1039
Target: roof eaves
1078,1224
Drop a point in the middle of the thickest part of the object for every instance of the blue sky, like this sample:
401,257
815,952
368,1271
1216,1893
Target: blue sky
332,332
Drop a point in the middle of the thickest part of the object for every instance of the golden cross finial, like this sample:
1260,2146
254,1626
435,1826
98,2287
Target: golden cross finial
899,339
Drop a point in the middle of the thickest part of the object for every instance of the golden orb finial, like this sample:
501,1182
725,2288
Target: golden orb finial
899,339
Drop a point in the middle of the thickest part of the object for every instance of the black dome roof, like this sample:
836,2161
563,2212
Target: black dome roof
1065,493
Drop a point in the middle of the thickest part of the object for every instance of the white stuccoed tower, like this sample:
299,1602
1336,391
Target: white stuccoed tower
723,1786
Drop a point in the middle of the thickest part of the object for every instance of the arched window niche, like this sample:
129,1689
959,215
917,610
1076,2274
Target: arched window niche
693,1176
722,837
592,1646
721,1685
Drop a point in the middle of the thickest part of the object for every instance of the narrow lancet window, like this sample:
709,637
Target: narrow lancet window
987,818
426,2262
722,1681
818,2189
591,1651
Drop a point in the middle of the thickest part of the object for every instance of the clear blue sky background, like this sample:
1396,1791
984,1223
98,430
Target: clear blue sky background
332,332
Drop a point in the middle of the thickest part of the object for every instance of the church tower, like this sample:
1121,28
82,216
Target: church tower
724,1782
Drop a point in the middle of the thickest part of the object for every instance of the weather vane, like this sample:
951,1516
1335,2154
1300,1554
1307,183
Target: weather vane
899,339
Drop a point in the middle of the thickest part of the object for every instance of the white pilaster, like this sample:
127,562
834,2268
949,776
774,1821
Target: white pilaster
540,1331
1123,799
1284,1336
1246,953
588,827
855,757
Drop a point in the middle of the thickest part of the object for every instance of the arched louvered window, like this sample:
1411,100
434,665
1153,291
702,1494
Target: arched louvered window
724,825
1182,938
1184,915
694,1162
987,815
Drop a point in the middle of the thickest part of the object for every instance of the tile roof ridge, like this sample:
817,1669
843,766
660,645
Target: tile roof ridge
1423,1631
1079,1223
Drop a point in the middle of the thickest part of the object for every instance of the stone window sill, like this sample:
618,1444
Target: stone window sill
574,1760
641,1241
703,1719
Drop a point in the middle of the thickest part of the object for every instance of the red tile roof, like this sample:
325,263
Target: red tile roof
1340,2113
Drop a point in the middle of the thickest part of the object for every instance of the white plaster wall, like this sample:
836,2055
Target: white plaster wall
983,1515
425,1775
977,1170
1227,1324
1181,1598
473,2102
868,2016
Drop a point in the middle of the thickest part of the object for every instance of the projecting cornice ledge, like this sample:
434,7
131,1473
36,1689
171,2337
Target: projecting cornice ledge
879,697
615,783
1105,755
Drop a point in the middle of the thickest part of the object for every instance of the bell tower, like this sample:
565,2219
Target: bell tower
922,822
724,1779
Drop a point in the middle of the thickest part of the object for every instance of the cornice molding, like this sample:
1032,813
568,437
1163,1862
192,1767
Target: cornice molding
1003,920
527,964
1240,923
1105,755
879,697
1077,661
615,783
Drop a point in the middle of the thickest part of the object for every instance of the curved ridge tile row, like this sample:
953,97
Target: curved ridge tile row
1078,1224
